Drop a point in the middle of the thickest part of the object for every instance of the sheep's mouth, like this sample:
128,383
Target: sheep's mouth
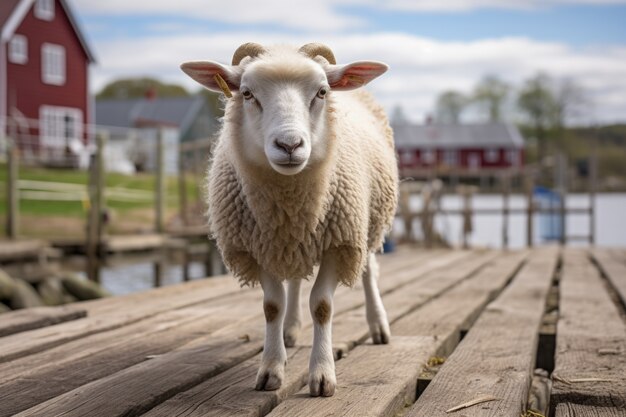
290,163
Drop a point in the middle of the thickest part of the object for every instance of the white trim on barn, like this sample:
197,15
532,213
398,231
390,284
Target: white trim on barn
53,64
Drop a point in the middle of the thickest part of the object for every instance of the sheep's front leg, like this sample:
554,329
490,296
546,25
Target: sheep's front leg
292,317
322,380
374,308
272,371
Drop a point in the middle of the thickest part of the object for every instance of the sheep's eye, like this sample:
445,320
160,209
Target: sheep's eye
247,94
322,93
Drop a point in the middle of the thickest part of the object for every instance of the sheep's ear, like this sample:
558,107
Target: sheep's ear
355,75
214,76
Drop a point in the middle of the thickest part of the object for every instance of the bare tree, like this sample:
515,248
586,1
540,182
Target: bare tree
450,104
490,93
537,103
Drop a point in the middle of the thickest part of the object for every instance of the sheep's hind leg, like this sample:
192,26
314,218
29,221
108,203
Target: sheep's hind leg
374,308
322,380
292,325
271,374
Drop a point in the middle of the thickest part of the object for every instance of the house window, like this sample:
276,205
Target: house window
18,49
44,9
473,161
492,155
450,157
512,156
407,157
428,156
53,64
60,126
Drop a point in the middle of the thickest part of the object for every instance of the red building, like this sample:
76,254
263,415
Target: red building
44,77
464,149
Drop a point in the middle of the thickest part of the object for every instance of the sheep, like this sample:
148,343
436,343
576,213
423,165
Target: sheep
303,177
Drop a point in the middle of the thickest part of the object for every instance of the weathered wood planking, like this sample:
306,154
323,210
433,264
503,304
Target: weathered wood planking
591,339
36,378
381,380
36,317
346,329
577,410
498,354
22,249
118,313
446,317
374,380
238,398
210,355
614,270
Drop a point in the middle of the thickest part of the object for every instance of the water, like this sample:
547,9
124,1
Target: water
610,226
140,276
610,231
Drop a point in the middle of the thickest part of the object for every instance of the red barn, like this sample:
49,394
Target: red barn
44,77
463,149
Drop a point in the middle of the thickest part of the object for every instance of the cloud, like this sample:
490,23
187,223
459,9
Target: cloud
299,14
420,67
305,15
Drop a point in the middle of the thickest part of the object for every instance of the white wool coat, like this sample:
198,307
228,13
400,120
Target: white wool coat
263,220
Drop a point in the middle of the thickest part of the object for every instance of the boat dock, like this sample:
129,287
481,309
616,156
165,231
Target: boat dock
474,333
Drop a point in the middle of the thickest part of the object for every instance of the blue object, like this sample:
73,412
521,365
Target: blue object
549,223
389,245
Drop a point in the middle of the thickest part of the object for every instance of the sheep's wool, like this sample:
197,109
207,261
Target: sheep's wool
283,225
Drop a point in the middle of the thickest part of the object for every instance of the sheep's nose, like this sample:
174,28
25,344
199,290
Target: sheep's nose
288,145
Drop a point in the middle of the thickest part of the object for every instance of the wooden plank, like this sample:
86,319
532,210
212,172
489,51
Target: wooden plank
21,249
591,339
208,355
374,380
498,354
34,379
578,410
380,380
402,301
34,318
456,311
128,243
236,396
118,313
613,269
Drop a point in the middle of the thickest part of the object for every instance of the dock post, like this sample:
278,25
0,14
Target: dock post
562,188
593,174
160,184
506,188
530,207
96,204
159,204
13,202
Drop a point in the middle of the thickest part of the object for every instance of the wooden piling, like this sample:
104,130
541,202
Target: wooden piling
506,189
530,207
160,184
593,178
96,205
13,207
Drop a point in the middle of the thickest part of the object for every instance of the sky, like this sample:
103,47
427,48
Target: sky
430,45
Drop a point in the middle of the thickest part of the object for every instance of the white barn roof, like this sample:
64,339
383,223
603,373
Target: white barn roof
502,135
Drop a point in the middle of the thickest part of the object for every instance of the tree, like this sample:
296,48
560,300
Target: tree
398,116
450,105
139,87
490,93
537,103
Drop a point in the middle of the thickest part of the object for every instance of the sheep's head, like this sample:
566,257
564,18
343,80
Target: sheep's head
283,94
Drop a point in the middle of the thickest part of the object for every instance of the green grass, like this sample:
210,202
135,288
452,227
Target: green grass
140,182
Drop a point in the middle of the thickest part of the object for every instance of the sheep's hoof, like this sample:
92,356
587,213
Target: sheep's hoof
322,385
380,333
269,379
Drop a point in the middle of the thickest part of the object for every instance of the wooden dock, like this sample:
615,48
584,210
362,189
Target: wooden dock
469,329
